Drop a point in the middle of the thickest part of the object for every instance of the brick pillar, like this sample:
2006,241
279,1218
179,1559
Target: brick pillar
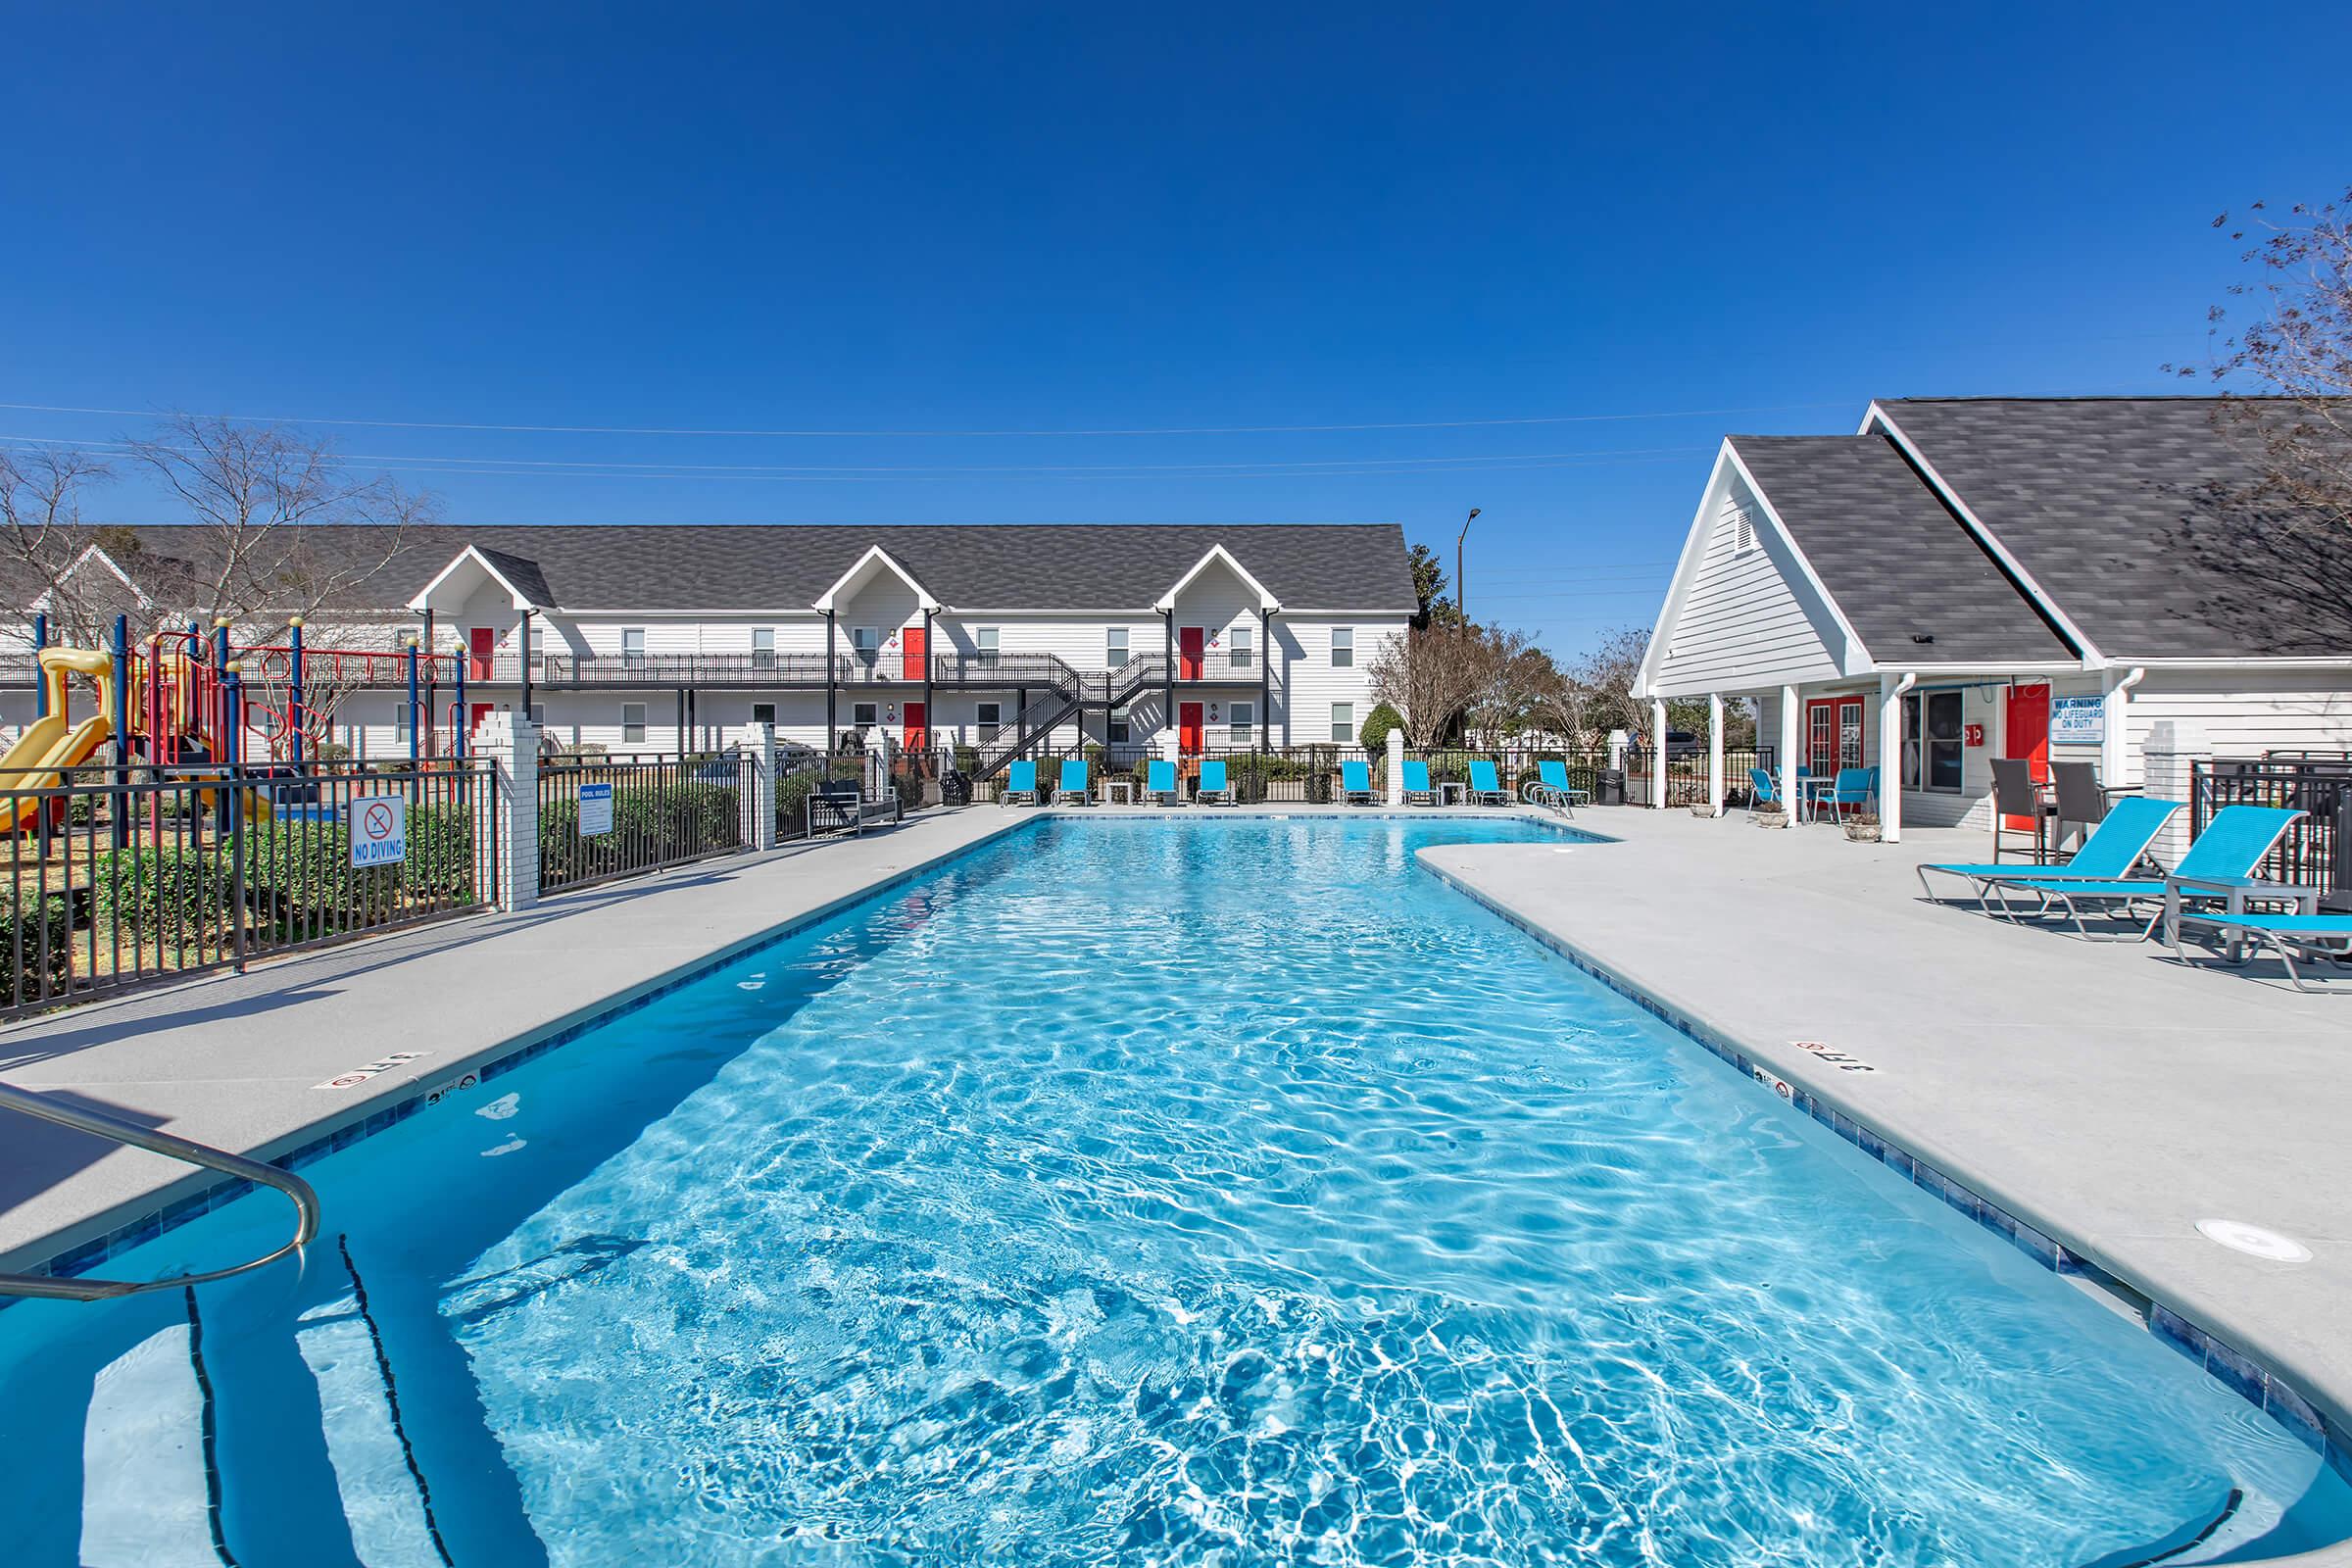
2174,747
509,743
1395,765
759,799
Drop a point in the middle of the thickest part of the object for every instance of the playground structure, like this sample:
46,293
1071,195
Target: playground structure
54,743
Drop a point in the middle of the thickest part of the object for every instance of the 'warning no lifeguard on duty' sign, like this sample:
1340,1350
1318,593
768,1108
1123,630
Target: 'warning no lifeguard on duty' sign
379,830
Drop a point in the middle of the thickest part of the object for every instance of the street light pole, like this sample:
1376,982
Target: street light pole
1461,584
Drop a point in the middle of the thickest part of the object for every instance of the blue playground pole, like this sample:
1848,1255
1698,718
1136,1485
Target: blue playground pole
294,714
457,744
40,687
122,683
413,713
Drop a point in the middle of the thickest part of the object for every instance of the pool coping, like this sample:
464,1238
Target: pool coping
2245,1370
98,1237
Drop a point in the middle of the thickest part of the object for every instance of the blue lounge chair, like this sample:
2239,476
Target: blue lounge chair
2231,845
1762,792
1020,783
2113,849
1073,783
1485,788
1416,782
1857,787
2317,937
1355,784
1160,782
1550,787
1213,790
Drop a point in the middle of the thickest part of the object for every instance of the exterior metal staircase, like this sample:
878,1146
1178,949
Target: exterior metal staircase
1070,692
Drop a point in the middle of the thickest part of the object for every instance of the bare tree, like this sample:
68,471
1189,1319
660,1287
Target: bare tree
1432,675
44,540
1517,671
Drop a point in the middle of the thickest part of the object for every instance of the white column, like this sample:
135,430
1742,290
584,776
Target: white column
2175,746
1395,765
510,743
1657,754
759,801
1789,718
1167,743
1715,753
1890,756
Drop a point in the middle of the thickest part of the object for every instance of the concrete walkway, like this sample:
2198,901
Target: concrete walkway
2106,1094
236,1060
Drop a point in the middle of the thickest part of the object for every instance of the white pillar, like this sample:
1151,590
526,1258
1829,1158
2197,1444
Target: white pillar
2175,748
1789,717
1890,756
1657,754
759,801
1715,753
1395,765
1167,745
1618,741
510,743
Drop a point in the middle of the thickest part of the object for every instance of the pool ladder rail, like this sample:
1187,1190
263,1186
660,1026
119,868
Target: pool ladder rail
116,1130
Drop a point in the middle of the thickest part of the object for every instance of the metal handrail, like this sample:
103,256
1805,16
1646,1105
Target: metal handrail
114,1130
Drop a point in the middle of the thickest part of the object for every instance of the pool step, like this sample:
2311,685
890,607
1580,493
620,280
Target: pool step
147,1497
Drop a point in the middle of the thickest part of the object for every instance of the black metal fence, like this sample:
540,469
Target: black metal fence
1686,773
622,816
118,882
2316,851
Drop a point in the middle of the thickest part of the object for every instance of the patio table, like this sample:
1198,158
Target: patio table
1810,791
1118,792
1452,792
2237,894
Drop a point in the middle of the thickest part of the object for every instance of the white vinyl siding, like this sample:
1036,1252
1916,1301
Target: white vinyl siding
1744,622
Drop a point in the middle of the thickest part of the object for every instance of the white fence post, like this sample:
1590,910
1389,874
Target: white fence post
1396,767
510,743
759,741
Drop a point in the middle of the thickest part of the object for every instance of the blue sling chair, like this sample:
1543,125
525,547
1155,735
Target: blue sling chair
1213,790
1020,783
1073,783
2231,845
1355,784
1160,782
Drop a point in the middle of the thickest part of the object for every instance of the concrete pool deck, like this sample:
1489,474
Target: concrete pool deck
2104,1093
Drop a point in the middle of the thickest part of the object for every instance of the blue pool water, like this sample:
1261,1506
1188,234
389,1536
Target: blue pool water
1206,1193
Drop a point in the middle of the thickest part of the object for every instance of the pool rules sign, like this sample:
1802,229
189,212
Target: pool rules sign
379,830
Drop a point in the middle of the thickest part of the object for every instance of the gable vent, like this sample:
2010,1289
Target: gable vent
1743,530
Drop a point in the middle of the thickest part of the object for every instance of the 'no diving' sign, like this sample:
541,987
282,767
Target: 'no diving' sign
379,830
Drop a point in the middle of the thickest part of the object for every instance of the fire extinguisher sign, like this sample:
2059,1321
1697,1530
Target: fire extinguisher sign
379,830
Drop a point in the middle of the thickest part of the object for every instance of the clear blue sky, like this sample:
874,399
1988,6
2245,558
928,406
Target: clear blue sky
925,219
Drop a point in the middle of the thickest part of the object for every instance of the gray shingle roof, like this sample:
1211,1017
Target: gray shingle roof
2133,515
1898,561
1074,567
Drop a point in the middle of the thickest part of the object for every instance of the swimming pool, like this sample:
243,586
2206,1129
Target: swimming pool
1200,1191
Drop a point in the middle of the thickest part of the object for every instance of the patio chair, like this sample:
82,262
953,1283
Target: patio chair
1485,788
1550,787
2318,937
1073,783
1762,790
1355,784
1213,790
1857,787
1416,783
2081,800
1160,782
2231,845
2113,849
1020,783
2014,794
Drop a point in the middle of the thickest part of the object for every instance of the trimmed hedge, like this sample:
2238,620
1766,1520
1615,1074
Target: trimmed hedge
24,961
167,894
650,826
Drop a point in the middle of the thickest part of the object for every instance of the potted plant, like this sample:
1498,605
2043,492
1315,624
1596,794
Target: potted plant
1772,814
1863,828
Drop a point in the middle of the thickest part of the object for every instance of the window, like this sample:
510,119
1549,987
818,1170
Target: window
1243,717
984,645
538,713
1238,641
402,720
991,716
1114,647
763,713
864,716
1343,724
1933,759
1342,647
632,646
632,724
1121,731
763,647
867,641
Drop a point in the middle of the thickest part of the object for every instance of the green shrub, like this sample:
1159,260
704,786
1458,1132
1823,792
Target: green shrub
792,804
440,863
909,787
1374,731
299,882
166,895
29,965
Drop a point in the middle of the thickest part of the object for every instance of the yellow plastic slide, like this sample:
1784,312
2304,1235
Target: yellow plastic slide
54,740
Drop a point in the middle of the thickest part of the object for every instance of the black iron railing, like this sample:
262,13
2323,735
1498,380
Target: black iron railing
2316,852
1686,772
615,817
118,884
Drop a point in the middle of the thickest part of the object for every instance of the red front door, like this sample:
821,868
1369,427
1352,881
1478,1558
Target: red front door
918,728
1187,725
479,641
2025,726
1188,653
912,640
1832,735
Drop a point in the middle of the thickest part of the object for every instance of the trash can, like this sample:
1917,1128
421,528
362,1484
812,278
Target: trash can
1608,786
